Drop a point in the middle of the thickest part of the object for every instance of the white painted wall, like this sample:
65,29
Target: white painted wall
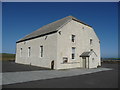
49,51
64,44
93,63
57,46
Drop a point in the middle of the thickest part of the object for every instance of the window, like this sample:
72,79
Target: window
65,59
45,37
41,51
73,38
90,41
20,52
91,49
29,51
92,59
59,32
73,52
24,42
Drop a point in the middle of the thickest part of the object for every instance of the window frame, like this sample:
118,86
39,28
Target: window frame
73,53
73,38
93,59
29,51
91,49
91,41
41,51
21,52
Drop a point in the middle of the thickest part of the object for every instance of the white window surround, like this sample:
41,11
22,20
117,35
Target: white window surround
93,59
73,38
91,49
91,41
29,51
41,51
73,53
20,52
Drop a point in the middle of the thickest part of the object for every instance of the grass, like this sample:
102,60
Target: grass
111,61
7,56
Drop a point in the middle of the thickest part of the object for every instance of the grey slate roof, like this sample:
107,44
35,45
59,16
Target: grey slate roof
85,54
52,27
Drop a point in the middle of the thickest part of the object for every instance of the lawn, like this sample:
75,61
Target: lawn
7,56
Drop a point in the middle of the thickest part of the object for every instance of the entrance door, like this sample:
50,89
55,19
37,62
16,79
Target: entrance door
85,62
52,65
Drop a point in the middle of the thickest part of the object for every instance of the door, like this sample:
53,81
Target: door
52,65
85,62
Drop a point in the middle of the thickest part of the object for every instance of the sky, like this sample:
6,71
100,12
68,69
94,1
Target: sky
21,18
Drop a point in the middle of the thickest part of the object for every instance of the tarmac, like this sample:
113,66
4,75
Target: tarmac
25,76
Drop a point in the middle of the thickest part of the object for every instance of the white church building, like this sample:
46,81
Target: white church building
63,44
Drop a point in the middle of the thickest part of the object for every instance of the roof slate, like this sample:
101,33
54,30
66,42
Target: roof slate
52,27
85,54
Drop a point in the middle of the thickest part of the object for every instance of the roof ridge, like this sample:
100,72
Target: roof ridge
53,22
51,27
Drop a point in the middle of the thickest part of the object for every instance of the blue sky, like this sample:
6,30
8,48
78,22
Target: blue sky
20,19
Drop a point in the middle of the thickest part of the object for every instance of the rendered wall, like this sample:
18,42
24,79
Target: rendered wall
57,46
93,61
49,51
82,44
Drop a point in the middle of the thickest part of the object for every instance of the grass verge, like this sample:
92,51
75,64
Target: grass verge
7,56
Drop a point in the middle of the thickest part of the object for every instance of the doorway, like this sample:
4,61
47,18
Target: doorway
52,65
85,62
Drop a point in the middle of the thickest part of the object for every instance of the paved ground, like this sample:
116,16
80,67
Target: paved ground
103,79
18,77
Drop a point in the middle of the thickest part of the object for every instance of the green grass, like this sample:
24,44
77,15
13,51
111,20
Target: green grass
110,58
7,56
111,61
